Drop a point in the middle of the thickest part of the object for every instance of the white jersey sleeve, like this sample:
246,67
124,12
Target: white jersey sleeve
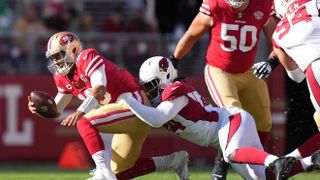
62,100
98,77
158,116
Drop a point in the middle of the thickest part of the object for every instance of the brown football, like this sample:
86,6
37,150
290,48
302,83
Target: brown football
44,103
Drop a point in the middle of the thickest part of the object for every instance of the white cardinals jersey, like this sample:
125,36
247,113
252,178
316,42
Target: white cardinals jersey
198,120
184,111
299,31
205,125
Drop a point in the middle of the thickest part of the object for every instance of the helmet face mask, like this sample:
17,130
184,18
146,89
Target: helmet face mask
155,74
62,51
236,3
153,91
60,63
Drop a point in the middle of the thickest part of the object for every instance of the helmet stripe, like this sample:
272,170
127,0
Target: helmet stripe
49,43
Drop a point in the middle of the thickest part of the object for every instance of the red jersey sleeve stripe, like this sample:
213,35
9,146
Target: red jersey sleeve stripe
205,9
95,67
91,64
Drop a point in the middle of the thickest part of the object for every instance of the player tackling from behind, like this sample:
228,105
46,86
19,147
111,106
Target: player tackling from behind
87,75
181,109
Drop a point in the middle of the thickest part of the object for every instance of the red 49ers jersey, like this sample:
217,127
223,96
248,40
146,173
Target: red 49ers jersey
234,35
79,85
198,120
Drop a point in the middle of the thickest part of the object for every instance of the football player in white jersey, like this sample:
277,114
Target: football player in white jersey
296,42
181,109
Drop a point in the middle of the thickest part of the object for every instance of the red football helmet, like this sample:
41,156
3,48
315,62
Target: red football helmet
62,51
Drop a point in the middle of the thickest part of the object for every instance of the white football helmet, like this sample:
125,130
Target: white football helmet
236,3
281,6
155,74
62,51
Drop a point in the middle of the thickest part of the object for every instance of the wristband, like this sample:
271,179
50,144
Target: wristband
88,104
273,61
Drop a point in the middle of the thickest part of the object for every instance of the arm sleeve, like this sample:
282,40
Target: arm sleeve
296,75
98,77
158,116
62,100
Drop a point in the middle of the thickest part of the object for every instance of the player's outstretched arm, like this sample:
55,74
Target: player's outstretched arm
158,116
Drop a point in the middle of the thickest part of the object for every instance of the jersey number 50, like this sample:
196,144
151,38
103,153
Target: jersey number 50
239,39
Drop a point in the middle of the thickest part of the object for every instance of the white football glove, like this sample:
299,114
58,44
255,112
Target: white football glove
262,69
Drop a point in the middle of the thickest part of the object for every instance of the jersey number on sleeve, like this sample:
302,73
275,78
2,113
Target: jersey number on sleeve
285,24
244,43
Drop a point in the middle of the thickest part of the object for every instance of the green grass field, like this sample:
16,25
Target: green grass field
19,172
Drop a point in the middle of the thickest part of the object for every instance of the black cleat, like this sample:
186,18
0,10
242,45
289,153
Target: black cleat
315,159
220,169
282,166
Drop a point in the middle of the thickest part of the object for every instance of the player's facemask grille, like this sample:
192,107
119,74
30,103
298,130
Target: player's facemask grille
153,91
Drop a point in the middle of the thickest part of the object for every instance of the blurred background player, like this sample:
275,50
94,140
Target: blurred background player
296,43
87,75
181,109
234,27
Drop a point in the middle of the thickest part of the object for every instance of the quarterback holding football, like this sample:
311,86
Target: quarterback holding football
87,75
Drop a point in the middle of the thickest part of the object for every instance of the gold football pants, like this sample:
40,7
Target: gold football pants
129,133
244,90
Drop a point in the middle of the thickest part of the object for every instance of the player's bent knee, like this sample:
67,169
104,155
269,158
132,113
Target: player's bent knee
118,166
264,123
264,127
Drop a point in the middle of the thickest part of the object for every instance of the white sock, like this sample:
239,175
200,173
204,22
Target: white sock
295,154
100,159
306,162
163,162
269,159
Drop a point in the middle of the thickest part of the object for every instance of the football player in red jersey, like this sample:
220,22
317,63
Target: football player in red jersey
87,75
181,109
234,27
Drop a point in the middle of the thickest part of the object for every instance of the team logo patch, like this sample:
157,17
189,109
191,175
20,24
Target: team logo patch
68,38
68,86
258,15
163,65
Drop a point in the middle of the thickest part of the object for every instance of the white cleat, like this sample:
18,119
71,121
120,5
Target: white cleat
92,172
180,164
103,174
